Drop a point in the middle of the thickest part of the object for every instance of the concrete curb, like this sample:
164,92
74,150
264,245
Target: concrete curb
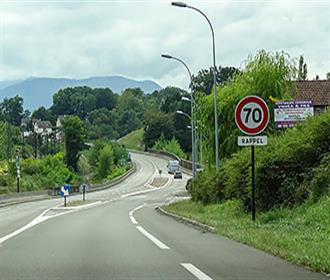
203,227
85,206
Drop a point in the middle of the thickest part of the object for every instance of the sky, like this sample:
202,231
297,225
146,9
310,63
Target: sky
80,39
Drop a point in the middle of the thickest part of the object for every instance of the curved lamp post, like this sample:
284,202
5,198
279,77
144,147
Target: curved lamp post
191,100
184,5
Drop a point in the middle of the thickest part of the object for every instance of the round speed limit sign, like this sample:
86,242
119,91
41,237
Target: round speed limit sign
252,115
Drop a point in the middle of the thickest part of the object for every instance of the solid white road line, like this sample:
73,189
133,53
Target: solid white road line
134,222
132,212
196,272
41,218
160,244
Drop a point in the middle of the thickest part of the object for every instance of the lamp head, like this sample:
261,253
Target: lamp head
179,4
166,56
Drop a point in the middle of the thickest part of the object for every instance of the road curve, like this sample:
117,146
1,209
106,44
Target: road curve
125,238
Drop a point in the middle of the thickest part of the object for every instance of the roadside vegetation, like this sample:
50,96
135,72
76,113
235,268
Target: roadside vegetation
292,172
293,167
171,146
133,140
107,160
300,235
80,202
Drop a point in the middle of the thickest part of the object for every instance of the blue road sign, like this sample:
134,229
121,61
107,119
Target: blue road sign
65,191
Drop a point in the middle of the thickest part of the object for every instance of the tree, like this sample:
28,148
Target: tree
155,124
203,81
44,114
266,74
102,123
129,121
328,76
105,98
12,110
9,137
74,133
131,99
105,161
74,101
302,70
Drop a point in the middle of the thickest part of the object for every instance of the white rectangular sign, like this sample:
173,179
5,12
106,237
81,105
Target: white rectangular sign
252,140
286,114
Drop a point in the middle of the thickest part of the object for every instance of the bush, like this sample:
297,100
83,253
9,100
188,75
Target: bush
171,146
105,162
44,173
320,184
118,171
293,166
265,74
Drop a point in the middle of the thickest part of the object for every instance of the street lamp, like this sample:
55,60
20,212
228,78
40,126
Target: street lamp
183,113
191,100
184,5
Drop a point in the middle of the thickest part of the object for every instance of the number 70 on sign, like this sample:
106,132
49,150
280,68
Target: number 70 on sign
252,115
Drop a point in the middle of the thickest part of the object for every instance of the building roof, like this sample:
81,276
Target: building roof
43,124
317,91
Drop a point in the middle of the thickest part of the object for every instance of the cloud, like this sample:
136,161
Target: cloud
85,38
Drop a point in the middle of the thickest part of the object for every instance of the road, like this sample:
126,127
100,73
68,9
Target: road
125,238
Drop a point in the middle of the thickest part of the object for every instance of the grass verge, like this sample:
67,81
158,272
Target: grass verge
133,140
300,235
80,202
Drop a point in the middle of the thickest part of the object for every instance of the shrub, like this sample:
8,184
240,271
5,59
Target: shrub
46,172
291,168
320,184
118,171
105,162
171,146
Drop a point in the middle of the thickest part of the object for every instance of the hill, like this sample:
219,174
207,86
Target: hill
133,140
38,91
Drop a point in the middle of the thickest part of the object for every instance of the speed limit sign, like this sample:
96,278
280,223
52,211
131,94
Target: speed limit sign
252,115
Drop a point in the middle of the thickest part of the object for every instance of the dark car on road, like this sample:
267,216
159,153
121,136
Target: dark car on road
177,174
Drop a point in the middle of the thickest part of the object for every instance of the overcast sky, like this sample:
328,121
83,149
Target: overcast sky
79,39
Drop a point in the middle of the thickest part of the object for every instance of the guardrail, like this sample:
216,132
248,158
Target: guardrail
187,164
96,187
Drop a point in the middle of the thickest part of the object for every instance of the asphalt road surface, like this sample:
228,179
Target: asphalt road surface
123,237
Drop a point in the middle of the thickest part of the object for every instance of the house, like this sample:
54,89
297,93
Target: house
317,91
42,127
59,121
59,134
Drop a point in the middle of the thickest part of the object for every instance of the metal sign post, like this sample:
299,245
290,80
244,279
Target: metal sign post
64,193
83,189
253,186
252,117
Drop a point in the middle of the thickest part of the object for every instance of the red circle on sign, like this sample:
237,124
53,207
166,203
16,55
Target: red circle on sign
265,111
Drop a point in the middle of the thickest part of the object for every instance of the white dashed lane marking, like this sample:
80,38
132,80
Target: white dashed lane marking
157,242
196,272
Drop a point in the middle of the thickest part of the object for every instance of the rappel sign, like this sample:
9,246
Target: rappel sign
252,117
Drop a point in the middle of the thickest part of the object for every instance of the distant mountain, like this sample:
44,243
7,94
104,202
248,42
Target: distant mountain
4,84
38,92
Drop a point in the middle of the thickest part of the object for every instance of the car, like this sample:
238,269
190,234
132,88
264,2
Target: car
173,166
177,174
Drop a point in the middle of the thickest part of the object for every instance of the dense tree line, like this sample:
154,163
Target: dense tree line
109,116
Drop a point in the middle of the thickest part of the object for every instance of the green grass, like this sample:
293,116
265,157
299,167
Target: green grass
133,140
80,202
300,235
